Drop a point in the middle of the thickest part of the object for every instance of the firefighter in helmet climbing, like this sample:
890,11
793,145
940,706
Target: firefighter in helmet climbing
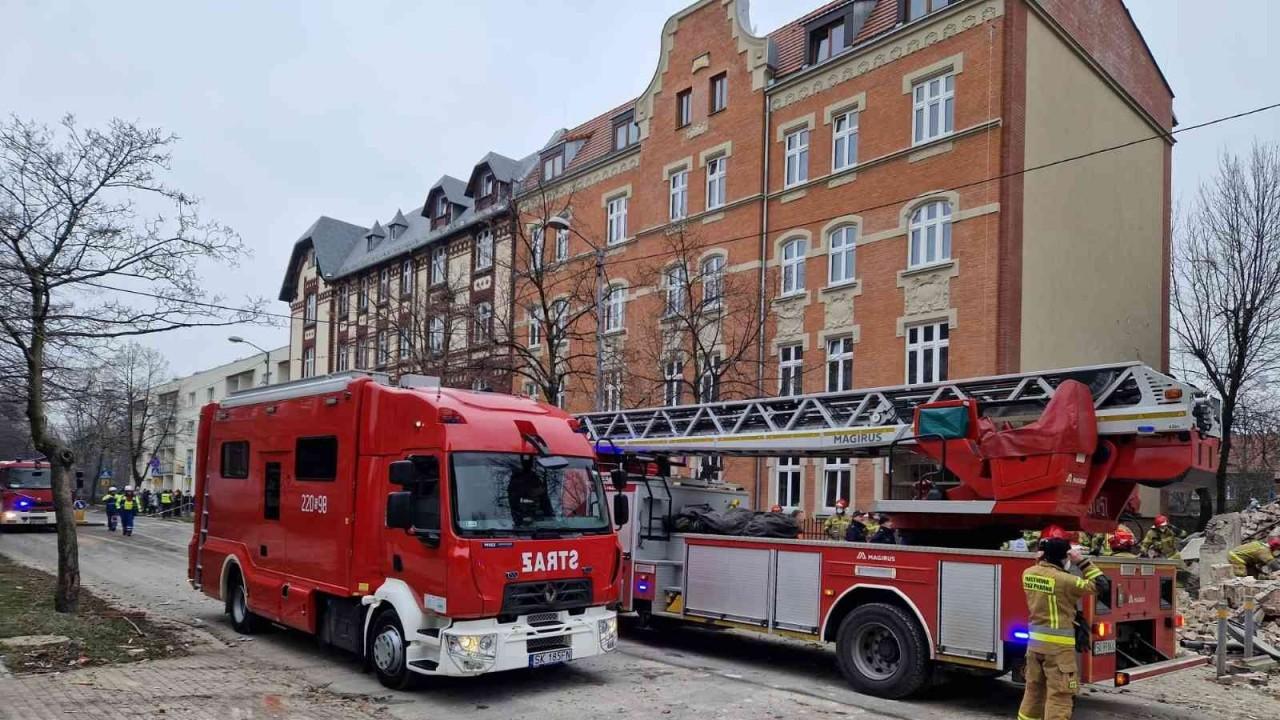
1161,541
1256,557
1052,595
835,525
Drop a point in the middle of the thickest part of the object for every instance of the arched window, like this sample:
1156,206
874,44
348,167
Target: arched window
930,234
840,254
614,308
793,266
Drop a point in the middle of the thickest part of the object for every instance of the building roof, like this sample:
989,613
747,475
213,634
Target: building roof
596,135
332,240
453,188
790,38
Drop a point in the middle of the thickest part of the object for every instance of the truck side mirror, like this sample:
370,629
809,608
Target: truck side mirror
618,477
621,509
400,510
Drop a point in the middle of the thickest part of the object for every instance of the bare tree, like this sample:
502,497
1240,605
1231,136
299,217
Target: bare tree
149,420
430,327
704,344
1226,287
92,422
84,262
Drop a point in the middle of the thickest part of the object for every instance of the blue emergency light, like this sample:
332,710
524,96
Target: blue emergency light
642,585
1021,635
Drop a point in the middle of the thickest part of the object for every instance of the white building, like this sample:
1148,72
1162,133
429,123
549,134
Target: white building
176,458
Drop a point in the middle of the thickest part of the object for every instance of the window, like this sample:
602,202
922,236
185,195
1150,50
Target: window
486,185
716,171
309,309
684,108
208,392
844,141
712,274
384,285
626,132
439,264
920,8
484,322
535,327
435,335
837,482
562,244
308,366
840,254
934,103
788,476
929,240
315,459
362,299
484,250
791,370
384,349
613,390
709,383
396,230
191,399
344,302
927,349
406,345
797,156
531,390
673,382
839,364
343,349
406,277
235,459
480,385
442,206
679,205
536,241
826,41
560,319
793,266
362,353
614,307
552,166
617,216
677,289
719,92
311,259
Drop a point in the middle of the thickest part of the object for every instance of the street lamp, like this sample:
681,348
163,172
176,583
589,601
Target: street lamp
266,356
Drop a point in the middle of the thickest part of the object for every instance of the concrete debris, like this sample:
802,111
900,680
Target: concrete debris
1256,523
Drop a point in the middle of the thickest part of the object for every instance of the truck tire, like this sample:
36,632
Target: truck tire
388,652
882,651
244,620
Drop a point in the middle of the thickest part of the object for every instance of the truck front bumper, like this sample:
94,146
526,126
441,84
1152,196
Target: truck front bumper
475,647
26,517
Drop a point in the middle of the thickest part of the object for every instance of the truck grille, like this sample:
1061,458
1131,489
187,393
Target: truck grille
549,596
543,644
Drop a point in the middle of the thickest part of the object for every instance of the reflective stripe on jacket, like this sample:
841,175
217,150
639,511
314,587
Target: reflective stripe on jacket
1252,554
1052,594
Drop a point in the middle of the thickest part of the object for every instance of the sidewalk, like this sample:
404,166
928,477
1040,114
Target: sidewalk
218,684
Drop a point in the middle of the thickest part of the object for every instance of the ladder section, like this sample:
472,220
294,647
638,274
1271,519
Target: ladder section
1129,398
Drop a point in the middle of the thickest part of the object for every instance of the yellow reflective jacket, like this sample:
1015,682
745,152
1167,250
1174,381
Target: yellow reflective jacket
836,525
1052,594
1251,556
1163,540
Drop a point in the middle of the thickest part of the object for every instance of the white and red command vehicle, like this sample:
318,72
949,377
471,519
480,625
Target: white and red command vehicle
431,531
982,460
26,494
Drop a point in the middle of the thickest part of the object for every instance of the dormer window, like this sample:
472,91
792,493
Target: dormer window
825,41
626,132
486,185
396,231
553,165
442,207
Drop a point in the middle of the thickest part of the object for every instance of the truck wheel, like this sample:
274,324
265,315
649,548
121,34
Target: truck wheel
882,651
388,652
244,620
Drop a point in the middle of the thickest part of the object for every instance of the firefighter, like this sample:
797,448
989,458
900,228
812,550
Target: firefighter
1161,541
166,502
836,525
857,530
127,505
1121,543
1052,594
109,504
1256,557
885,534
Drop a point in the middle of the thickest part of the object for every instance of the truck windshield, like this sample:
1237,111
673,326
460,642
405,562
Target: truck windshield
495,493
26,478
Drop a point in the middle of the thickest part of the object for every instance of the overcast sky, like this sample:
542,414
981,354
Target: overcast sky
290,110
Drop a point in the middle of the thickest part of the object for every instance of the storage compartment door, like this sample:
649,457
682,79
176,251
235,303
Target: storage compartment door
728,583
969,610
798,592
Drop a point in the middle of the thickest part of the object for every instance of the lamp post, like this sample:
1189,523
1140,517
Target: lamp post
266,356
560,222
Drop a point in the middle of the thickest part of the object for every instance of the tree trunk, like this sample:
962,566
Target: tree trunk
1224,454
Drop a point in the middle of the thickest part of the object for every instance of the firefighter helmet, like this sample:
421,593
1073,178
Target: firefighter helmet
1122,540
1162,521
841,504
776,508
1274,543
1054,532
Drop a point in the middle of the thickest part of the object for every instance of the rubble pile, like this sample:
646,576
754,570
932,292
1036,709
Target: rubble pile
1257,523
1200,614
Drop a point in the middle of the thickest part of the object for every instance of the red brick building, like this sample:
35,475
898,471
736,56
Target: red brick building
870,195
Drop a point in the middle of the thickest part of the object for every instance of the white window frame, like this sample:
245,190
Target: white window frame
537,239
719,92
483,322
406,277
535,327
936,349
439,265
361,358
406,344
343,360
613,389
789,473
676,290
484,250
562,244
486,185
684,108
842,243
616,213
717,172
309,309
844,140
435,335
839,367
344,302
796,145
791,370
837,472
794,252
933,108
384,349
384,285
308,365
673,382
929,234
442,206
615,304
709,383
678,183
560,316
711,271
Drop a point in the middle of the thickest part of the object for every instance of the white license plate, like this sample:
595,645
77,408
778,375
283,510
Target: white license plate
36,520
550,657
1104,647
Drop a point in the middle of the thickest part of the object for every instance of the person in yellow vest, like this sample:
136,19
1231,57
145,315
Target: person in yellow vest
1253,558
128,507
109,504
1161,541
836,525
1052,594
166,502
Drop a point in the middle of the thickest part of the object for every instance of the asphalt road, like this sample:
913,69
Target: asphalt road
680,672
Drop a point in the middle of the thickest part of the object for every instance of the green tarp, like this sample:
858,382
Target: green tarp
949,422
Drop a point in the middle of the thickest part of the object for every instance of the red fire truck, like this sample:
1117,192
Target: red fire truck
431,531
973,462
26,494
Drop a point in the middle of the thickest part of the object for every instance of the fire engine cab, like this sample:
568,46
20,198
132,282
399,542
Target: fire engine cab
26,494
431,531
1000,454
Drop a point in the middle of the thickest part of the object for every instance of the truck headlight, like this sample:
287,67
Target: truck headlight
608,629
472,652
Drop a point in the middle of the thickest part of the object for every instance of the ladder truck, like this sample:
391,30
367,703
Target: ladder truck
1065,447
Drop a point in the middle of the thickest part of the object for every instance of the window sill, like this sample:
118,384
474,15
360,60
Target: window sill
792,195
616,332
791,297
929,267
717,111
855,284
916,145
